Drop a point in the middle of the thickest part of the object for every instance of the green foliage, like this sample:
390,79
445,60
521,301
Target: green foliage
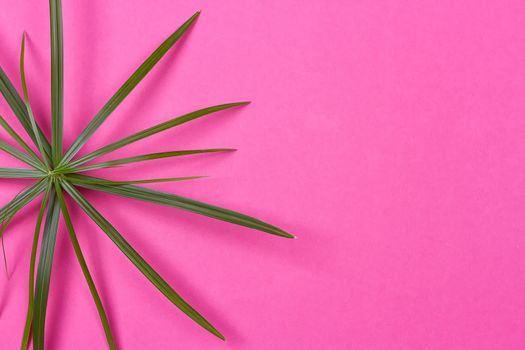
58,174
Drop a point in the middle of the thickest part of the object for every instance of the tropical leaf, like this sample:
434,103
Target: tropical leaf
43,277
39,142
14,173
154,130
84,267
187,204
20,141
21,156
126,88
30,306
138,261
57,78
4,226
17,105
142,158
135,182
21,200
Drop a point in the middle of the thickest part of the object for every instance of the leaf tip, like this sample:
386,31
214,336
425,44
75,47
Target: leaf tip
195,15
286,235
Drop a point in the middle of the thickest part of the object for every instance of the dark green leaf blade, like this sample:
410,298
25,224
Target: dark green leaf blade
17,105
39,142
126,88
30,304
136,182
19,140
187,204
21,156
145,157
138,261
21,200
57,78
84,267
4,227
154,130
43,276
16,173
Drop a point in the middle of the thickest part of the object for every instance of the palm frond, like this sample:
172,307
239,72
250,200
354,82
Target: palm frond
57,175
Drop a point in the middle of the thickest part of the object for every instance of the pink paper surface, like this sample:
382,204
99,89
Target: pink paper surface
387,135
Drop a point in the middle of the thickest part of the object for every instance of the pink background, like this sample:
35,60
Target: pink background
388,135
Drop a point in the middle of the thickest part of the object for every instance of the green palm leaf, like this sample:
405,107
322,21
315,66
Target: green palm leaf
39,142
21,200
85,269
154,130
17,105
43,277
21,156
14,173
20,141
187,204
4,227
126,88
30,306
57,78
138,261
142,158
136,182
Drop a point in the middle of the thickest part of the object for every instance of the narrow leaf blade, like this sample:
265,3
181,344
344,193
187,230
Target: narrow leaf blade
16,173
127,87
155,130
136,182
43,277
39,142
142,158
84,267
31,301
17,105
21,155
187,204
19,140
138,261
21,200
57,78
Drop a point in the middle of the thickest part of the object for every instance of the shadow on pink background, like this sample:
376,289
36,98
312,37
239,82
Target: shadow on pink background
388,135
